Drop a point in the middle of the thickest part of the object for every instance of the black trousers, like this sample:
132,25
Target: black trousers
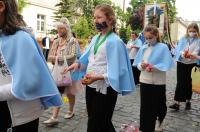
183,90
100,109
136,73
153,105
46,53
5,121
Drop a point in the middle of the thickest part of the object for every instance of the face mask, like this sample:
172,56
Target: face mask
192,34
101,26
151,41
62,34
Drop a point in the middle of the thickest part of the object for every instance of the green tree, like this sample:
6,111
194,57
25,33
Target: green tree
87,6
123,34
81,28
74,9
21,5
128,32
172,10
137,9
66,8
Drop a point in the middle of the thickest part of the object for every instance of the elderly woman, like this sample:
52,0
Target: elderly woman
64,47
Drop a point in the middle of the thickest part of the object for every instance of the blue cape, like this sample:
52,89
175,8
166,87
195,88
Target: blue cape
78,51
137,43
31,78
198,61
160,57
119,69
141,37
180,47
75,75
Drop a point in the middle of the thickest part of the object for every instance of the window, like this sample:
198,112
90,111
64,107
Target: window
41,23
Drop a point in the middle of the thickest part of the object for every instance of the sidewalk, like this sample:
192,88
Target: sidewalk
127,110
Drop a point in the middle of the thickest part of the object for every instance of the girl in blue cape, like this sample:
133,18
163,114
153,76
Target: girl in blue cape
153,60
26,85
133,46
107,71
187,47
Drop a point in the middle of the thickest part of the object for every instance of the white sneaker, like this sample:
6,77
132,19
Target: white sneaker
51,121
69,115
158,127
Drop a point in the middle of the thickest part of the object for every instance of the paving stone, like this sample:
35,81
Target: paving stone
127,110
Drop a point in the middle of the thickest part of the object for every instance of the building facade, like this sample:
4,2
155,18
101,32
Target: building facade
178,29
39,15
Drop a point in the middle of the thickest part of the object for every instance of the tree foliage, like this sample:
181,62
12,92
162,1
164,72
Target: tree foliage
136,12
83,11
65,8
81,28
21,5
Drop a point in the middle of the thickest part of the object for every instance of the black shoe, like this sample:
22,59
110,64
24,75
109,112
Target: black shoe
187,106
174,106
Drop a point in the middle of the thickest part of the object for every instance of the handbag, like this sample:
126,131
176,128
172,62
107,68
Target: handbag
61,79
195,75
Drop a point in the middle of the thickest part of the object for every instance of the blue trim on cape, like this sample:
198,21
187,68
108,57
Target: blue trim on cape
180,47
160,57
119,69
31,78
75,75
141,37
198,61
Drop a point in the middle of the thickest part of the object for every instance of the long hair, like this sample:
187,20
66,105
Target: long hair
13,20
194,26
153,30
108,12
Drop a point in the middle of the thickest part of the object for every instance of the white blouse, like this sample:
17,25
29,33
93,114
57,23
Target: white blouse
193,49
98,65
132,51
156,77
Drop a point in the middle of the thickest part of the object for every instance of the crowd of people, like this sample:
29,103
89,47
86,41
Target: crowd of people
107,67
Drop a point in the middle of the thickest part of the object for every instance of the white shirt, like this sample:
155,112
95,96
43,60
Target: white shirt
47,43
98,65
193,49
132,51
156,77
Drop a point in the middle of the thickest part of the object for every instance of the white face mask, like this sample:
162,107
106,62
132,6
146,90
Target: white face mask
151,41
192,34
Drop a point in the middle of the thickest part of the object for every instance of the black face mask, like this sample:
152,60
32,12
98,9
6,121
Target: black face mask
101,26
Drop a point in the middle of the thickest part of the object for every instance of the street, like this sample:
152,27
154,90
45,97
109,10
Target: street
127,110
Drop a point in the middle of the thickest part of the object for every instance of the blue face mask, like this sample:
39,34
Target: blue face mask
101,26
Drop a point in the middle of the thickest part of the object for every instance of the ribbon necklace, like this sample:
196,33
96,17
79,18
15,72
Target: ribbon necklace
98,44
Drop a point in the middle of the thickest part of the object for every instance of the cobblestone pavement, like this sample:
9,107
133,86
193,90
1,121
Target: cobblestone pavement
127,110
